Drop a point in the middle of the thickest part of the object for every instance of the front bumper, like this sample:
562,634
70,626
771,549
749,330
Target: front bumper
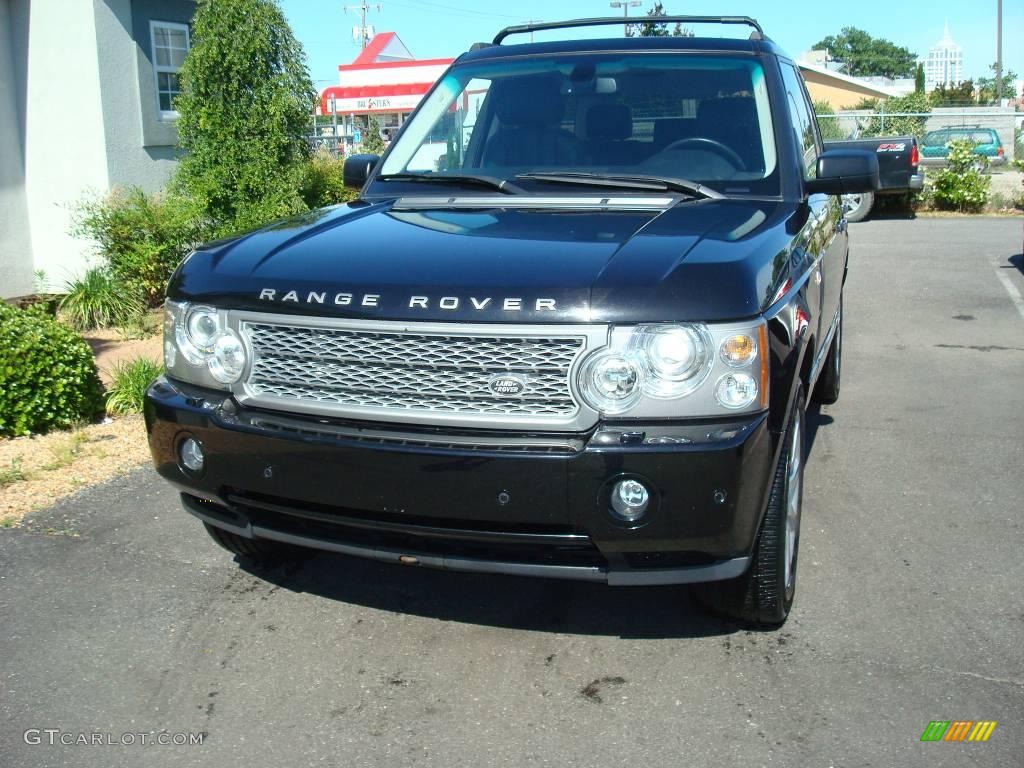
526,504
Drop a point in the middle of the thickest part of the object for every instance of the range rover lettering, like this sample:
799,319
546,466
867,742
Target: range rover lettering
569,329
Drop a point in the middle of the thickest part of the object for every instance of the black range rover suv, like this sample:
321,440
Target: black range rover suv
569,329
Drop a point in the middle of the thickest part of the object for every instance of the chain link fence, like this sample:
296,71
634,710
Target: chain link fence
866,123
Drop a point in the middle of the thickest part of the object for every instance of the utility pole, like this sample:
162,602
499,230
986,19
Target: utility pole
531,21
999,52
625,5
363,7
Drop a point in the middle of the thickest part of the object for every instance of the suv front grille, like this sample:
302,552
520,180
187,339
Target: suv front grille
368,372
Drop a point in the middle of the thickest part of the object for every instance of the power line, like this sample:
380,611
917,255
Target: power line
458,9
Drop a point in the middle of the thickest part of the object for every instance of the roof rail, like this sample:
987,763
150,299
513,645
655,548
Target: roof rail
612,20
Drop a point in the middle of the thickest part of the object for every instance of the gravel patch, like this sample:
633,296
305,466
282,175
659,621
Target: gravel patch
36,471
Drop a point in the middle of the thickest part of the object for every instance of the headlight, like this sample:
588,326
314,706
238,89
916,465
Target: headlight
228,359
195,332
736,390
679,370
611,382
199,347
677,358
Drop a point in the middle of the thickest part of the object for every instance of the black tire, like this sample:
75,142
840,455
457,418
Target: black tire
763,596
826,391
255,551
857,207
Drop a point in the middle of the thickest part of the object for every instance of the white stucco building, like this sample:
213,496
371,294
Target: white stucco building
945,63
85,105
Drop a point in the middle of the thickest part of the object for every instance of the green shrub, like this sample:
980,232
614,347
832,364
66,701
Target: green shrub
372,142
99,299
130,380
900,126
962,185
142,237
244,107
47,374
828,124
323,181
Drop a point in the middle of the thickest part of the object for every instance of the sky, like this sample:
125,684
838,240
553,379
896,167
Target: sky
446,28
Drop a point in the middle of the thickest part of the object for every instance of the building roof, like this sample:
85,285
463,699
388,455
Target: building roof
386,49
384,77
841,80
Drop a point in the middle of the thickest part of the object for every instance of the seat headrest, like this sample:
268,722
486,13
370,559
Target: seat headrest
530,101
609,122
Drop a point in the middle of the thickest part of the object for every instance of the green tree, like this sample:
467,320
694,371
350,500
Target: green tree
884,124
828,122
372,142
244,107
656,29
987,86
919,79
867,56
959,95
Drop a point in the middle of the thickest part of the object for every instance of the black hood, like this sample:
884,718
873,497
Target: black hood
706,260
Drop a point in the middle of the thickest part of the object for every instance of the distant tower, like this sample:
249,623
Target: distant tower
945,63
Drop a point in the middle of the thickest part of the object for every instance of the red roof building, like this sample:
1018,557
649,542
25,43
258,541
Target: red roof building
385,81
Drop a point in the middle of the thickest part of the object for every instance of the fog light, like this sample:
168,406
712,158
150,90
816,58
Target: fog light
629,500
191,455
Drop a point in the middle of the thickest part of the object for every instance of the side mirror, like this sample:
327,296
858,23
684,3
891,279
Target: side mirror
843,172
358,169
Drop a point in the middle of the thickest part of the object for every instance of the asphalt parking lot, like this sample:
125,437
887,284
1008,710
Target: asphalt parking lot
119,616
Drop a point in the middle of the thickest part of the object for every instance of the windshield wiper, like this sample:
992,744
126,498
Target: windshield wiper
658,183
491,182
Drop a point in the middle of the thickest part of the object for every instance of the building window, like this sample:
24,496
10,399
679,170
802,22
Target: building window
170,44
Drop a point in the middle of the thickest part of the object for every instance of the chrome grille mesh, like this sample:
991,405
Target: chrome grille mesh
397,372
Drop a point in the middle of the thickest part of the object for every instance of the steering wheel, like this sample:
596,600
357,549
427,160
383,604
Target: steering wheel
715,146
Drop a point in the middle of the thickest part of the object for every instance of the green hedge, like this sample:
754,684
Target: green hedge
323,181
962,185
141,237
48,374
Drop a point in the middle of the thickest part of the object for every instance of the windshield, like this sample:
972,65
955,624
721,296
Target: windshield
681,116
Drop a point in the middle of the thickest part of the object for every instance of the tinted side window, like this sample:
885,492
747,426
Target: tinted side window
803,121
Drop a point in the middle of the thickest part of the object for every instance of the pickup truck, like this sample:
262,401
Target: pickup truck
570,329
899,171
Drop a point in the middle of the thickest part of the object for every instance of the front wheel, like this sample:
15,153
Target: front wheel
763,595
856,207
261,552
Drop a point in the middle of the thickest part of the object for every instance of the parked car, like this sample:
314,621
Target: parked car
898,171
935,144
584,350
